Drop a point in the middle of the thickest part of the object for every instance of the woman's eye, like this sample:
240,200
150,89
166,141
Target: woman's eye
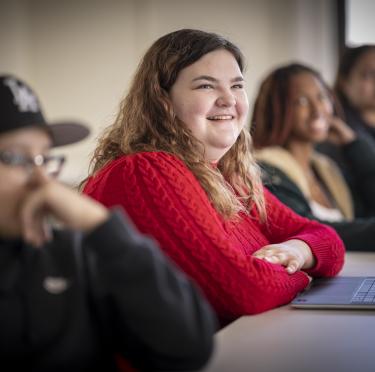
205,86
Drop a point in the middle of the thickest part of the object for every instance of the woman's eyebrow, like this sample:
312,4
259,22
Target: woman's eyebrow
206,77
214,80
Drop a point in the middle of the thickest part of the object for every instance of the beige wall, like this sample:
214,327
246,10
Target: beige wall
80,54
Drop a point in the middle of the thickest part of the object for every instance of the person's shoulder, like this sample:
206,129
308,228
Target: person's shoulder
151,165
276,156
325,161
128,163
153,161
151,158
273,175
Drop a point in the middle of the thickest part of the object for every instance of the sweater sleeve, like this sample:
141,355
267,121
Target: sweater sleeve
165,200
284,224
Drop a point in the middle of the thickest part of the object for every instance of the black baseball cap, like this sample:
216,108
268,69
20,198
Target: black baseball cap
20,108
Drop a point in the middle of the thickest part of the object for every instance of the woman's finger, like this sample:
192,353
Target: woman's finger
36,230
272,259
32,219
293,266
283,257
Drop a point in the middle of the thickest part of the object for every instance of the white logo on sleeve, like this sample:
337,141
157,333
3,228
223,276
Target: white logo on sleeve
23,98
55,284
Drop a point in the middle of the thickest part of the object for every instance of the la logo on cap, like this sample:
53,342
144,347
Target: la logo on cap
23,98
55,285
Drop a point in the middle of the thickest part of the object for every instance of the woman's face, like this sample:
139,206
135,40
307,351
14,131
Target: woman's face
359,87
311,109
15,180
209,97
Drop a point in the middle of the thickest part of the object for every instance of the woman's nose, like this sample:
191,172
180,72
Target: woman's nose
226,99
318,109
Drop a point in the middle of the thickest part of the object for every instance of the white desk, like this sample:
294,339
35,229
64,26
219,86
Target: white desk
296,340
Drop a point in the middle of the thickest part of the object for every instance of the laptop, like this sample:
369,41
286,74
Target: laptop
343,292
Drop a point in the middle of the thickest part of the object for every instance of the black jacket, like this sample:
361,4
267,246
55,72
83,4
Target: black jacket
357,235
73,304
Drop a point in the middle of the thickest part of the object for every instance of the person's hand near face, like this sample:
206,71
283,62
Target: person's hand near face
49,198
339,132
30,195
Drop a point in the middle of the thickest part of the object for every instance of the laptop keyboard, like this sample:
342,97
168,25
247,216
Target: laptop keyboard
366,293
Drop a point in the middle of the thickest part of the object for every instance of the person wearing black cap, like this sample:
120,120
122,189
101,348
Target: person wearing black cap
94,295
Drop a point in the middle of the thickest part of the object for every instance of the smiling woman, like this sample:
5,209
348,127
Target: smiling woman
178,160
293,112
213,106
312,108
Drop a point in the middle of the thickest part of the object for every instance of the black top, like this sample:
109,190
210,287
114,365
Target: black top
78,301
357,235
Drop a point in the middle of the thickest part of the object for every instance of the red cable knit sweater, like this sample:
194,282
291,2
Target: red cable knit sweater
166,201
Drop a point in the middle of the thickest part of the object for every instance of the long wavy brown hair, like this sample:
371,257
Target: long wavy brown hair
271,124
147,122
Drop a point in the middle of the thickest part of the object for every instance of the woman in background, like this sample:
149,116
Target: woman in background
355,89
293,112
178,160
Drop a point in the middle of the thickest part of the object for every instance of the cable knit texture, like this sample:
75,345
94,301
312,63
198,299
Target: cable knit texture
166,201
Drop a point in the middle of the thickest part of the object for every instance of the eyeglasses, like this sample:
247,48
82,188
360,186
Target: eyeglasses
51,163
